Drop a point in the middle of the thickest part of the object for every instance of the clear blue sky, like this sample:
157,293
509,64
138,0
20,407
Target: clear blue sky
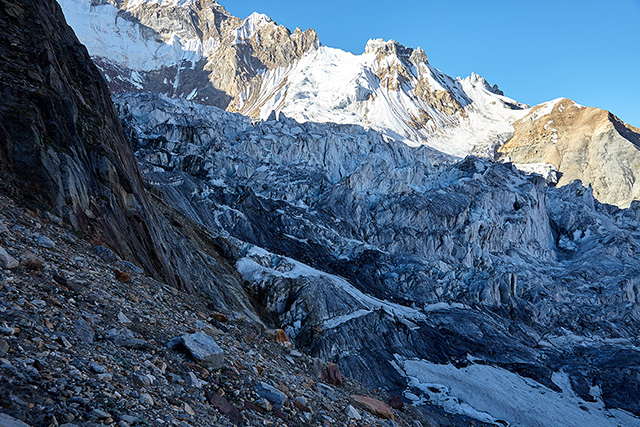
535,51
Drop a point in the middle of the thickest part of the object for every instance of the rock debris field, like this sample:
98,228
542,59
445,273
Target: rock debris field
87,339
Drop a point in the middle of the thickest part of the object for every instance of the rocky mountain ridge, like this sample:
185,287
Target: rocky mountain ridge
441,280
587,144
198,51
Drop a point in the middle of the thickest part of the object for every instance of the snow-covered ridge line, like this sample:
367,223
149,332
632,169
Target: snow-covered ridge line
390,88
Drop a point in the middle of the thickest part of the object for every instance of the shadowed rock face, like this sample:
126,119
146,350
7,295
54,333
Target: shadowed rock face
587,144
62,147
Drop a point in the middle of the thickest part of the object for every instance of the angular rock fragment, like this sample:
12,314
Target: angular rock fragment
272,394
122,318
333,374
203,348
121,276
374,406
7,261
9,421
124,337
83,331
32,262
352,413
226,408
396,402
45,242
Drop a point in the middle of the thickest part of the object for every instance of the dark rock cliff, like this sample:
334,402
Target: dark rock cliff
62,148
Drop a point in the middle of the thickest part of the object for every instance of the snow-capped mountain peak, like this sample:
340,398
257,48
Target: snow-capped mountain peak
254,66
250,27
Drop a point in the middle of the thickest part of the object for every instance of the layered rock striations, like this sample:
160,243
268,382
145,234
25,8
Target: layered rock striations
63,151
61,143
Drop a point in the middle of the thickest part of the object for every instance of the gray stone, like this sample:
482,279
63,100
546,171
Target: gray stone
105,253
352,413
99,414
4,347
130,419
141,380
146,399
7,261
122,318
124,337
3,228
9,421
264,404
6,330
204,349
83,331
97,368
272,394
44,242
328,391
193,381
176,378
105,377
132,267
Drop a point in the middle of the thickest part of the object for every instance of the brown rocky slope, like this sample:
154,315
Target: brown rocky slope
586,144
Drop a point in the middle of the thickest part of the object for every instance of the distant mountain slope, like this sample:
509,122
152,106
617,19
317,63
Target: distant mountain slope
196,50
587,144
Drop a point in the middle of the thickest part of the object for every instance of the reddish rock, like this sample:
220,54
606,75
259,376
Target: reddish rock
281,336
222,318
301,406
224,407
333,374
374,406
121,275
255,408
396,402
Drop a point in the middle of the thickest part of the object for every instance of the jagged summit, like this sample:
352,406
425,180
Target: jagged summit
196,50
190,49
253,66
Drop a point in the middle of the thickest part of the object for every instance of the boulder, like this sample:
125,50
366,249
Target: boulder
204,349
7,261
374,406
272,394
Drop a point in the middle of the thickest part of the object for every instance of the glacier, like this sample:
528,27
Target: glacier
368,251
